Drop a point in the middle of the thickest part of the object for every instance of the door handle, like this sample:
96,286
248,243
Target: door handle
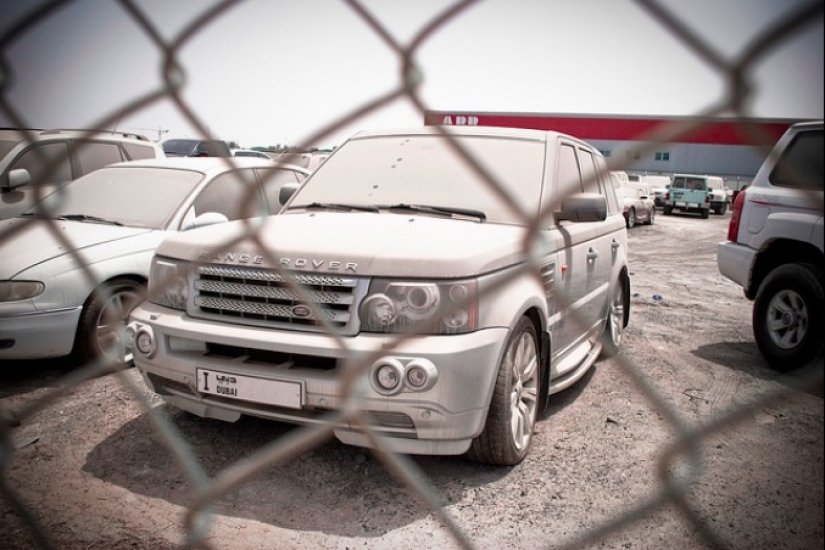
615,245
592,255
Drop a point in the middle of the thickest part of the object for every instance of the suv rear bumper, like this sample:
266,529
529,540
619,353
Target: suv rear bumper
735,261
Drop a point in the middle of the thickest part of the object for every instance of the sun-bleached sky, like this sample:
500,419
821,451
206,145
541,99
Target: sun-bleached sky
268,72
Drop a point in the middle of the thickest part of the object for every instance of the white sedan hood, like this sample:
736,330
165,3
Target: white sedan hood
385,244
27,243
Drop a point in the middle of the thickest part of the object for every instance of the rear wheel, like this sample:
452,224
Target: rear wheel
667,210
513,409
103,321
616,315
705,213
788,316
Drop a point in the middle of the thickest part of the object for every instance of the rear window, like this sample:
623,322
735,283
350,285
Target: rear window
801,164
137,151
688,183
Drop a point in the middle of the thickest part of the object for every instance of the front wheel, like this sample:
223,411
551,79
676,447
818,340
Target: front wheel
103,321
651,216
788,316
514,406
630,219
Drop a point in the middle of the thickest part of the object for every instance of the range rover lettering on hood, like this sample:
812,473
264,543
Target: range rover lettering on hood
244,258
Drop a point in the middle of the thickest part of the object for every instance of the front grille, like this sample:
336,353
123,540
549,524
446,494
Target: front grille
264,297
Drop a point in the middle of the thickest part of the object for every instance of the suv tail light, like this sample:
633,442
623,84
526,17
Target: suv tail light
735,216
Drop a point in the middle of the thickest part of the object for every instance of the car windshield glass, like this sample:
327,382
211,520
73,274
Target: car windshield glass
179,147
389,170
141,196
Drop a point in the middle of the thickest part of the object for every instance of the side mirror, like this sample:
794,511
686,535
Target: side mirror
583,207
286,192
207,218
17,178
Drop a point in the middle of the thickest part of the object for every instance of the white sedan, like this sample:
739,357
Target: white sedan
74,266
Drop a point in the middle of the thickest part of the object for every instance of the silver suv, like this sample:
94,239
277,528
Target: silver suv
397,273
775,249
35,163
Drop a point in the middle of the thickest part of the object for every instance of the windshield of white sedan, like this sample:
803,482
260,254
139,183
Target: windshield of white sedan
145,197
424,171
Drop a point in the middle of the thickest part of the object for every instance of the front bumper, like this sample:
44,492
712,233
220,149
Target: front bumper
38,335
328,376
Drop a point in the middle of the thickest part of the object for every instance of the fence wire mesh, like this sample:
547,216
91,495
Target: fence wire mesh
207,488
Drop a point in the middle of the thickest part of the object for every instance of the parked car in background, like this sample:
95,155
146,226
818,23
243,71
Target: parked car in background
637,205
250,153
774,249
185,147
35,163
110,222
396,239
688,193
659,186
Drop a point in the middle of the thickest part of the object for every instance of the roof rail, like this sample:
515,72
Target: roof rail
92,131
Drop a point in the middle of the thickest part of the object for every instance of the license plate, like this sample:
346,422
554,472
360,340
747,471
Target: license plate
249,388
693,205
680,203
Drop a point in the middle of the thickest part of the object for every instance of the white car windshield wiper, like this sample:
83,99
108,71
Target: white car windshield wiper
340,206
86,218
442,210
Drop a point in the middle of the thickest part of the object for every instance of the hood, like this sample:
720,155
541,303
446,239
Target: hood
385,244
25,243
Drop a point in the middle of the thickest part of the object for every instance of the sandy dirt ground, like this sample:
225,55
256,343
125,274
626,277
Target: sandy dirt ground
687,440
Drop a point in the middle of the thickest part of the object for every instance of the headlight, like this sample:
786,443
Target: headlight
168,283
420,306
12,291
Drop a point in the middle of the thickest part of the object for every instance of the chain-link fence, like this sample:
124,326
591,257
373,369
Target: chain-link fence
206,490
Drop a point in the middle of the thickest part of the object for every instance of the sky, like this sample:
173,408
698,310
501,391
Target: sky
283,72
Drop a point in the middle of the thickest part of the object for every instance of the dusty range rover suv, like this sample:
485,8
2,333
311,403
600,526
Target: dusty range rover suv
397,280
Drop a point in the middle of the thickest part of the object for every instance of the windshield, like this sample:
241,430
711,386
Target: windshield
139,196
425,170
179,147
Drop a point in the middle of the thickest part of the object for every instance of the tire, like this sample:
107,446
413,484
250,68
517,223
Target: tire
508,431
667,210
630,219
651,216
788,316
102,321
723,209
705,213
617,315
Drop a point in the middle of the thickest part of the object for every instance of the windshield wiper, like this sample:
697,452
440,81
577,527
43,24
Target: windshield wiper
442,210
340,206
86,218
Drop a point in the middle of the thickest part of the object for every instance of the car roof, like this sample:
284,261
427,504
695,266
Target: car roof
208,164
488,131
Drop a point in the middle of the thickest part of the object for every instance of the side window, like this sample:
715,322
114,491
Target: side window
229,194
137,152
590,177
609,190
95,155
272,183
38,158
801,165
570,180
